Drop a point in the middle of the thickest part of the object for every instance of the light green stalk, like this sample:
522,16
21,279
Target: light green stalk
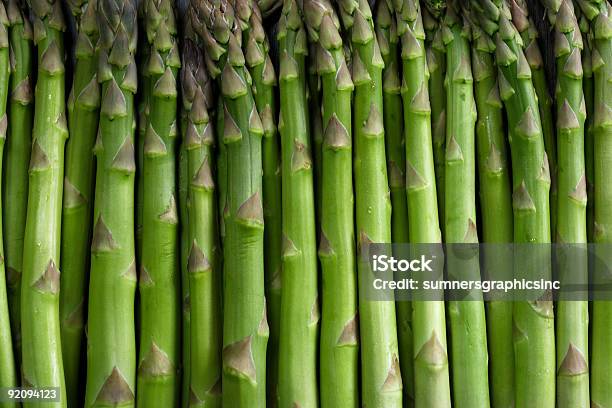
203,264
388,40
83,115
159,280
339,355
381,381
41,354
600,15
261,68
468,325
496,213
111,357
183,186
8,374
18,147
431,377
533,337
572,316
529,34
436,63
299,324
245,328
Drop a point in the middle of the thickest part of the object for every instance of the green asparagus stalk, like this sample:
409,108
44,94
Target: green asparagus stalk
159,281
42,355
8,375
431,376
111,359
18,147
529,34
496,212
436,63
203,265
572,316
245,328
600,15
183,186
467,318
83,115
388,40
255,46
299,314
588,91
533,320
339,358
381,381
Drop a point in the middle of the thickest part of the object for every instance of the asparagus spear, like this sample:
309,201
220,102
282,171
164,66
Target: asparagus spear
42,355
529,34
436,63
339,331
111,359
159,277
183,186
431,378
468,326
533,320
572,316
256,49
83,115
496,212
8,375
203,265
245,328
388,40
18,147
599,13
299,314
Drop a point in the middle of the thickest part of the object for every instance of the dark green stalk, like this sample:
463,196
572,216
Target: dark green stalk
436,63
339,355
496,213
183,186
41,353
299,325
111,357
261,68
431,377
8,374
245,327
533,320
388,40
203,264
380,375
600,15
83,115
18,147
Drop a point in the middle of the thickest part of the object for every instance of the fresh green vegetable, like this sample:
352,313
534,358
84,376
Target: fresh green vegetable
299,314
159,280
18,147
8,374
533,330
496,213
380,375
245,328
431,376
83,115
339,346
111,357
42,364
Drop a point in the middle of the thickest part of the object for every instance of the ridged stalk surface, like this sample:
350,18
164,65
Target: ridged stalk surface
111,349
431,374
42,364
339,345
